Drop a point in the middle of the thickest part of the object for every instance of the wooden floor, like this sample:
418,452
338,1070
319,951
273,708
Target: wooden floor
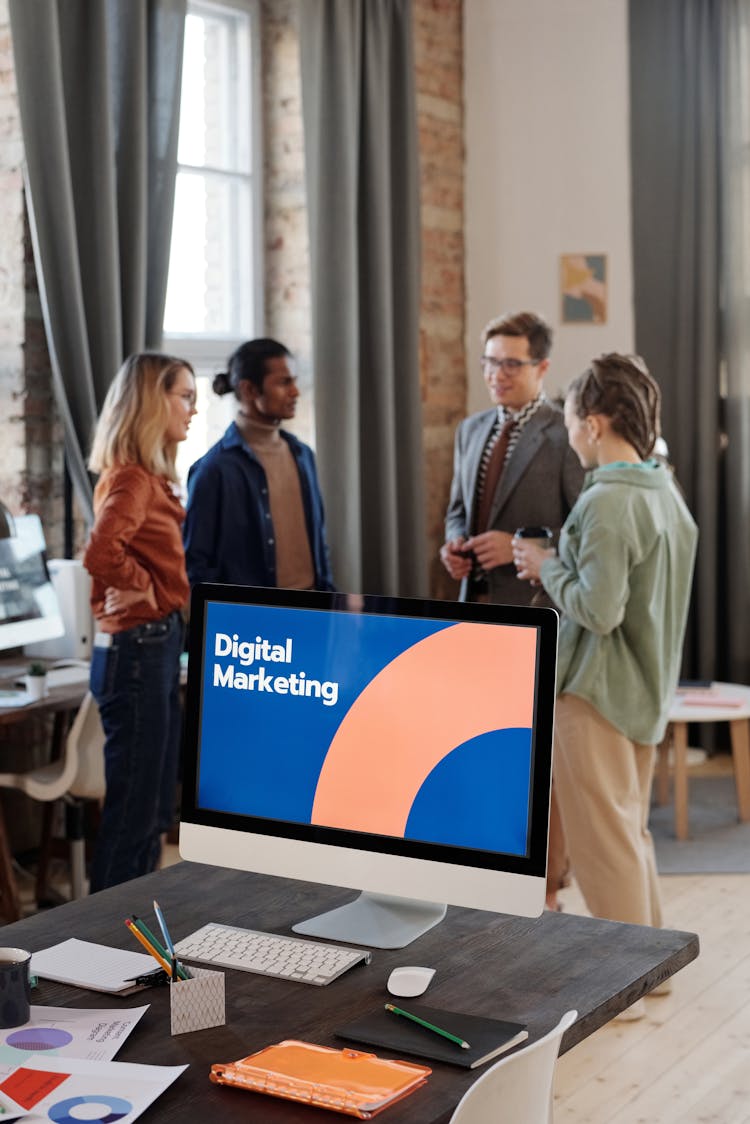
688,1060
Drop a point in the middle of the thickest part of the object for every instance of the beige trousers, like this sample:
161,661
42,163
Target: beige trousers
603,786
558,862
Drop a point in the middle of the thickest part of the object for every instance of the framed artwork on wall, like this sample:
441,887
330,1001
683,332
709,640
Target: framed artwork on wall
583,288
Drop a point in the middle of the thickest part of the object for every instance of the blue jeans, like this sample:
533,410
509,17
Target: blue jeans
136,685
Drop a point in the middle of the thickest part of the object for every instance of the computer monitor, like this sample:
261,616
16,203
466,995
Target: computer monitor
400,747
29,610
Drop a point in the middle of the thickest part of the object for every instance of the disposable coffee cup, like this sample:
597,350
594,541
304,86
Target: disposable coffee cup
15,987
541,536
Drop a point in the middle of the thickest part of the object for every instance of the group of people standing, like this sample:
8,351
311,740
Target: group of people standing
254,517
618,568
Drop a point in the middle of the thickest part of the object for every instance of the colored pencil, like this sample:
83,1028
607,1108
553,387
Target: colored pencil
428,1026
148,946
183,973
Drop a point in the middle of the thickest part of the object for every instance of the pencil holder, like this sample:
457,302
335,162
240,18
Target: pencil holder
197,1003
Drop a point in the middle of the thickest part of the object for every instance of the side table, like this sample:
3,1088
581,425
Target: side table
721,702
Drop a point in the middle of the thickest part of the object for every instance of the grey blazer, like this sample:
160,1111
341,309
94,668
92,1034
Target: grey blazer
538,486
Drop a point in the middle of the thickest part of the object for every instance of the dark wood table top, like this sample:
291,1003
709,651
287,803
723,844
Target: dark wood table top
529,971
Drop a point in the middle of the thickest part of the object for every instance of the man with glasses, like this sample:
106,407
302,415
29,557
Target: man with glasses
513,466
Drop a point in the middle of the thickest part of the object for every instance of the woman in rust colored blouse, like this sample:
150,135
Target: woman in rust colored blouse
139,586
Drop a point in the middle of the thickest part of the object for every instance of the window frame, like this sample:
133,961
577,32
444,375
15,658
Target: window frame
208,352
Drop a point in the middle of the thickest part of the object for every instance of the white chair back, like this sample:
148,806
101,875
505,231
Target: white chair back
86,742
517,1089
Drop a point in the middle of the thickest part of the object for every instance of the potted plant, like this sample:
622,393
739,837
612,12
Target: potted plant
36,680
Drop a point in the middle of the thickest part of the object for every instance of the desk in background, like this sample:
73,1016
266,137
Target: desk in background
61,703
722,702
529,971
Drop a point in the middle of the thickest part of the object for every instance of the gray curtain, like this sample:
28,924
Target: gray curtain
735,167
361,149
99,90
675,145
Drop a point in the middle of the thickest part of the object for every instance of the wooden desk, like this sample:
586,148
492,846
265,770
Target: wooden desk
526,970
61,702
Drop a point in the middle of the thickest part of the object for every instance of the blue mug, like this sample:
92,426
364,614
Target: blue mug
15,987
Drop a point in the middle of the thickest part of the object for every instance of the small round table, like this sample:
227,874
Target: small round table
721,702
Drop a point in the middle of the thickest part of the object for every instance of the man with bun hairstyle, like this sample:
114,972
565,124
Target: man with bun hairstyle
254,508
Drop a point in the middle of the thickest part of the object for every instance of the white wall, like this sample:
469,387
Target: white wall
547,168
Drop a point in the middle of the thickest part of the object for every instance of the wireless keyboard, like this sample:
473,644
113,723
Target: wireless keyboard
269,954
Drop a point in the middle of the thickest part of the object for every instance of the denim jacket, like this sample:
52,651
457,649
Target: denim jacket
228,532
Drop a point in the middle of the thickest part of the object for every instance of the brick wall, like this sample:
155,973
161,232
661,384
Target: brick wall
285,241
31,465
438,50
12,441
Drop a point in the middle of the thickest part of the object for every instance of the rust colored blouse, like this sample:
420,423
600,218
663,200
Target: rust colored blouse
136,541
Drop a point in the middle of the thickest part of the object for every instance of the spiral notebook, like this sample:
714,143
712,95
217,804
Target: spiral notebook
486,1037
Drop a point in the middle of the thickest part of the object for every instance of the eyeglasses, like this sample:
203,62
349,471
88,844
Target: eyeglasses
508,366
188,397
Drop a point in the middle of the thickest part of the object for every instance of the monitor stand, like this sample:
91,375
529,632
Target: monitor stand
375,920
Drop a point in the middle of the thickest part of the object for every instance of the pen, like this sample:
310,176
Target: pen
181,971
148,947
428,1026
163,927
150,979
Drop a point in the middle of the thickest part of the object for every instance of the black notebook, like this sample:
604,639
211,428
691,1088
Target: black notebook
486,1037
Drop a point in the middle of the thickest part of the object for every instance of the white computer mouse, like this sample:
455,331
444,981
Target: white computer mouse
409,980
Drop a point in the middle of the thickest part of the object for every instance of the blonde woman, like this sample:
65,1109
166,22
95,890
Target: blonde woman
139,585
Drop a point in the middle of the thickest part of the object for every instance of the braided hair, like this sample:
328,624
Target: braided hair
621,388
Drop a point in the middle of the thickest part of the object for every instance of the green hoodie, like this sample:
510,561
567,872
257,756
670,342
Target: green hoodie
622,583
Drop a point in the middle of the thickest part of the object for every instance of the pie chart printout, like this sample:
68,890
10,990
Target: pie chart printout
92,1109
39,1038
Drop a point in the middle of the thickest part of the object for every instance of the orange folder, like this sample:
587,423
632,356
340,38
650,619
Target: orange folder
347,1081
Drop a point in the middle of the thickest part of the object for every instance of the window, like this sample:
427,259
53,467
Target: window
214,292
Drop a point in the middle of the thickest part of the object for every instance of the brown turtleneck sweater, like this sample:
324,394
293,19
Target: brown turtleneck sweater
294,564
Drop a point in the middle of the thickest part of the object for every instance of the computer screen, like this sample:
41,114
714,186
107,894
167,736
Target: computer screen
397,746
29,610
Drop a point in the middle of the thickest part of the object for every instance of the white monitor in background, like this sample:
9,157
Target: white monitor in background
29,610
72,584
398,747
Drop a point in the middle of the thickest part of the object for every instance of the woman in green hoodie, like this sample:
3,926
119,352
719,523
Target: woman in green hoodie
622,584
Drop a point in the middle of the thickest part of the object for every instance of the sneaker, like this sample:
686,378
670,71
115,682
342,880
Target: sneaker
632,1013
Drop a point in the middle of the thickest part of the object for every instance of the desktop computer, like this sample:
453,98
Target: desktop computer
29,608
396,746
72,585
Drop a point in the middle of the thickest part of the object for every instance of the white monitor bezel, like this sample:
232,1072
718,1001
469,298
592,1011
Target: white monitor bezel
509,884
28,536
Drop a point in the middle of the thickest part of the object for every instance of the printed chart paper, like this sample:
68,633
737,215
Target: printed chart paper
70,1090
94,1035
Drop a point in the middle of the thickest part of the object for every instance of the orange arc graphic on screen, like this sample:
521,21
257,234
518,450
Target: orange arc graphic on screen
463,681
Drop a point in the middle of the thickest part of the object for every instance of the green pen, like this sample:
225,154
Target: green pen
428,1026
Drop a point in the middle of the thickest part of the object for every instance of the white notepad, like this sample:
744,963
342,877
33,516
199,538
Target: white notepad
93,966
14,698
